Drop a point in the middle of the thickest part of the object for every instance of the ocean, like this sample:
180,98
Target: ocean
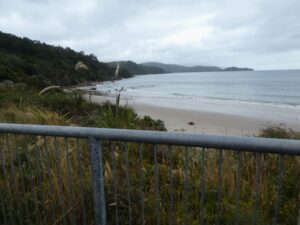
259,94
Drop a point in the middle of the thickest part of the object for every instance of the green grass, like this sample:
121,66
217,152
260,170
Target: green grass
19,106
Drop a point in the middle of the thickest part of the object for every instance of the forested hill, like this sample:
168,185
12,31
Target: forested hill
135,68
26,61
174,68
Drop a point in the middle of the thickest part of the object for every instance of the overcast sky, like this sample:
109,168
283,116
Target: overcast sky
263,34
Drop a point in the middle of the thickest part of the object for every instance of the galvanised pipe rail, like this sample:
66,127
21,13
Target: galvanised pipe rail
253,144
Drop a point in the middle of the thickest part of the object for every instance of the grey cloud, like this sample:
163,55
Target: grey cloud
257,33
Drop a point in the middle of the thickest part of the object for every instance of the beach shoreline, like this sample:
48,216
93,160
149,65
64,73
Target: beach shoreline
197,121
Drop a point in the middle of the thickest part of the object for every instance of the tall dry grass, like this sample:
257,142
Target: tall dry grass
47,180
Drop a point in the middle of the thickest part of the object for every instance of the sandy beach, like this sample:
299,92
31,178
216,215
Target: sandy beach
198,121
202,122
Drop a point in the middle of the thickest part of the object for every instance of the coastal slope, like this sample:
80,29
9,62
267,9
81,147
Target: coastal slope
135,68
23,60
174,68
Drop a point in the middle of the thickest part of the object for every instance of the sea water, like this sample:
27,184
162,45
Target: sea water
262,94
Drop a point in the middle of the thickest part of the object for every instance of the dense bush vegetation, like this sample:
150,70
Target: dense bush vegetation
35,63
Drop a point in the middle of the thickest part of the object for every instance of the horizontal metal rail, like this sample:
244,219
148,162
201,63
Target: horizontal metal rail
253,144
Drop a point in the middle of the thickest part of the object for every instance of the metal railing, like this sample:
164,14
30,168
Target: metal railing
74,175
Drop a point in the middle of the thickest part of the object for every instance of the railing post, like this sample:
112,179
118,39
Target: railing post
97,181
